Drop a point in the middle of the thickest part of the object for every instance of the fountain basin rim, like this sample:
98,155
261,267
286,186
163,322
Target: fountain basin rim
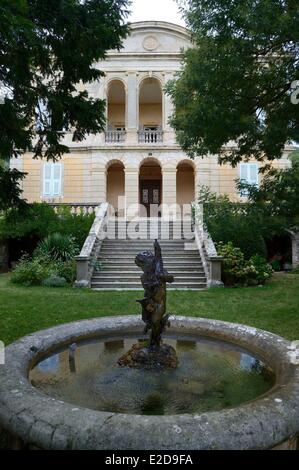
47,423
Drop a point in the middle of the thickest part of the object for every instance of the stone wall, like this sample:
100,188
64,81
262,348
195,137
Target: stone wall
3,256
295,249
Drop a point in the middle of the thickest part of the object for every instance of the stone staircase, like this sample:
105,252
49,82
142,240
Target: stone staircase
117,258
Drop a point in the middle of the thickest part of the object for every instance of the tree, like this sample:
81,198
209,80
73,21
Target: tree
236,82
271,210
10,190
278,196
48,48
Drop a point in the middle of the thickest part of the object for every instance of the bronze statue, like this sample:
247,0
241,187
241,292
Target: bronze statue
154,280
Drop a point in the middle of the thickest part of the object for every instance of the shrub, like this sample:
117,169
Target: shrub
233,263
75,225
31,272
276,265
57,247
238,223
67,270
38,220
263,270
237,271
55,281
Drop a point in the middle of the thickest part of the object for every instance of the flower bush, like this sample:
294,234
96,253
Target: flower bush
32,272
238,271
54,258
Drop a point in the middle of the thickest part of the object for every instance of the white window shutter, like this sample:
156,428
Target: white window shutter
52,186
253,174
47,179
57,179
243,172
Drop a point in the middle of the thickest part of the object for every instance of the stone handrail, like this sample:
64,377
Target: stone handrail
212,263
115,137
91,248
294,235
150,137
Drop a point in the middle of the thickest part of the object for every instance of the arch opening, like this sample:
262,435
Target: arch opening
150,111
185,184
116,112
116,187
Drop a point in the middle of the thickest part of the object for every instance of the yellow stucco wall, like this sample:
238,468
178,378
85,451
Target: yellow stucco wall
185,184
115,185
117,114
150,114
84,179
75,178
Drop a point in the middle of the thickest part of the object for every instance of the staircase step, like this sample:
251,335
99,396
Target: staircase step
117,255
134,251
137,286
122,270
136,277
138,272
170,263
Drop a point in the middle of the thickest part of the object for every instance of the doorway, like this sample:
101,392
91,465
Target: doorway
150,196
150,186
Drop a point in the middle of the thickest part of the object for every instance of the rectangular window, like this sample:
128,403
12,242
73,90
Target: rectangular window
52,185
249,173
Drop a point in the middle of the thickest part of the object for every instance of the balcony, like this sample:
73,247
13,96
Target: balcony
150,137
115,136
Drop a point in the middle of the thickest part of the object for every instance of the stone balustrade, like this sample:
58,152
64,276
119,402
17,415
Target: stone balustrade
212,263
92,246
150,137
115,137
76,208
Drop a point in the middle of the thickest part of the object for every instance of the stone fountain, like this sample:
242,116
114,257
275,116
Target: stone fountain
103,384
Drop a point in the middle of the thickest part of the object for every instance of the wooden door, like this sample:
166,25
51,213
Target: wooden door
150,196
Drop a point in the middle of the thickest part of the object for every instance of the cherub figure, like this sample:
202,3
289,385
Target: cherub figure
154,280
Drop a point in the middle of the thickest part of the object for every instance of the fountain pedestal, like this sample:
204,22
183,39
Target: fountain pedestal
141,356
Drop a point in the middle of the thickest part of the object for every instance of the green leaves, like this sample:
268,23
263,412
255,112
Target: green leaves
235,82
47,48
10,190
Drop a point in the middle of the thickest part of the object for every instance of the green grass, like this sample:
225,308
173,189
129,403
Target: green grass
274,307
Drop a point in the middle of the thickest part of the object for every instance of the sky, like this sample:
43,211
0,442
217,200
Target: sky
163,10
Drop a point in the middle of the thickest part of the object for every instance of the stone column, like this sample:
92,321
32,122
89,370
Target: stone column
132,191
132,108
169,197
295,249
215,279
169,135
98,182
3,256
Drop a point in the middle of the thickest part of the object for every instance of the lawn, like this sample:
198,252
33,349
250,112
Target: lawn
274,307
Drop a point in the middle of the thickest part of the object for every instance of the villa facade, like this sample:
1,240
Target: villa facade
137,157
